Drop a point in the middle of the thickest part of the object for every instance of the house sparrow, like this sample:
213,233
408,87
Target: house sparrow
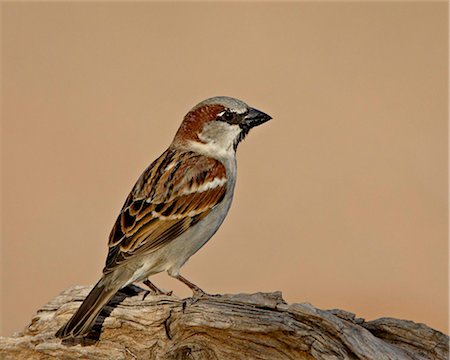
176,206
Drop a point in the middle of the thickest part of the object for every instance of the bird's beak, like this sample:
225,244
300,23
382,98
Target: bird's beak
255,118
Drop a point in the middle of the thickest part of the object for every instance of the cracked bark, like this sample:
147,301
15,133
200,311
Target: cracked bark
241,326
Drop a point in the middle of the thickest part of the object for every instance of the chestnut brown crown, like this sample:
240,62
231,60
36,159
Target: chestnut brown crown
220,117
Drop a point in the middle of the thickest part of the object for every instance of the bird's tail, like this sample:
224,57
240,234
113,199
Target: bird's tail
82,321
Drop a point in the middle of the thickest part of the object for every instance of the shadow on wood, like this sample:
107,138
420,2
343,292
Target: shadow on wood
241,326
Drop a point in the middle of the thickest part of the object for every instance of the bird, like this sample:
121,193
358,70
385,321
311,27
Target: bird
175,207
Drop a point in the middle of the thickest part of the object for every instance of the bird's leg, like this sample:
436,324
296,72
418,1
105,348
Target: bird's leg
195,289
156,289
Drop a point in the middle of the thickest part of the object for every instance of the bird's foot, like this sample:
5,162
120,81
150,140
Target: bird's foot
198,293
164,292
154,290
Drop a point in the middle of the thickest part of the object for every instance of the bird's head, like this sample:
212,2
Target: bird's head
218,125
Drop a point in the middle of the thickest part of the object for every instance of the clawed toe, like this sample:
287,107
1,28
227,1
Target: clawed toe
167,293
199,293
154,290
146,292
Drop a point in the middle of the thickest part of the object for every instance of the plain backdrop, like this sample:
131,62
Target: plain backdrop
341,200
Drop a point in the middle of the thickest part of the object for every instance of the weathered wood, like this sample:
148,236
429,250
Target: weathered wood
242,326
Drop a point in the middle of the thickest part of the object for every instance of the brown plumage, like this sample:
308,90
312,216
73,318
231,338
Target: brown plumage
154,209
176,205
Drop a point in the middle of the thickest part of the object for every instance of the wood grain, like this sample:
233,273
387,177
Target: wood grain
240,326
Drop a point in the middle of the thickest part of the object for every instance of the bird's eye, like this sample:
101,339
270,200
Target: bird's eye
228,116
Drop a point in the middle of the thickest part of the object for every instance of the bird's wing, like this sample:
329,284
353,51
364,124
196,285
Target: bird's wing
174,193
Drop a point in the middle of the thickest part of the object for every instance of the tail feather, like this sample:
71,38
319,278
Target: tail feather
82,321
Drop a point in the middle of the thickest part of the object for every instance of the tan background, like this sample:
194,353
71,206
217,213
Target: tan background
341,200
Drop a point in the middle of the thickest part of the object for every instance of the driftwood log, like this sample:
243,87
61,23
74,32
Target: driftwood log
242,326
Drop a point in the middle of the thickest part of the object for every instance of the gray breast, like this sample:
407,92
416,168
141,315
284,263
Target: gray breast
181,249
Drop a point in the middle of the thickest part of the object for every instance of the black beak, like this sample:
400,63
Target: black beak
255,118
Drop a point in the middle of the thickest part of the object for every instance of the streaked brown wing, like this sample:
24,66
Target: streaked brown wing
175,192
